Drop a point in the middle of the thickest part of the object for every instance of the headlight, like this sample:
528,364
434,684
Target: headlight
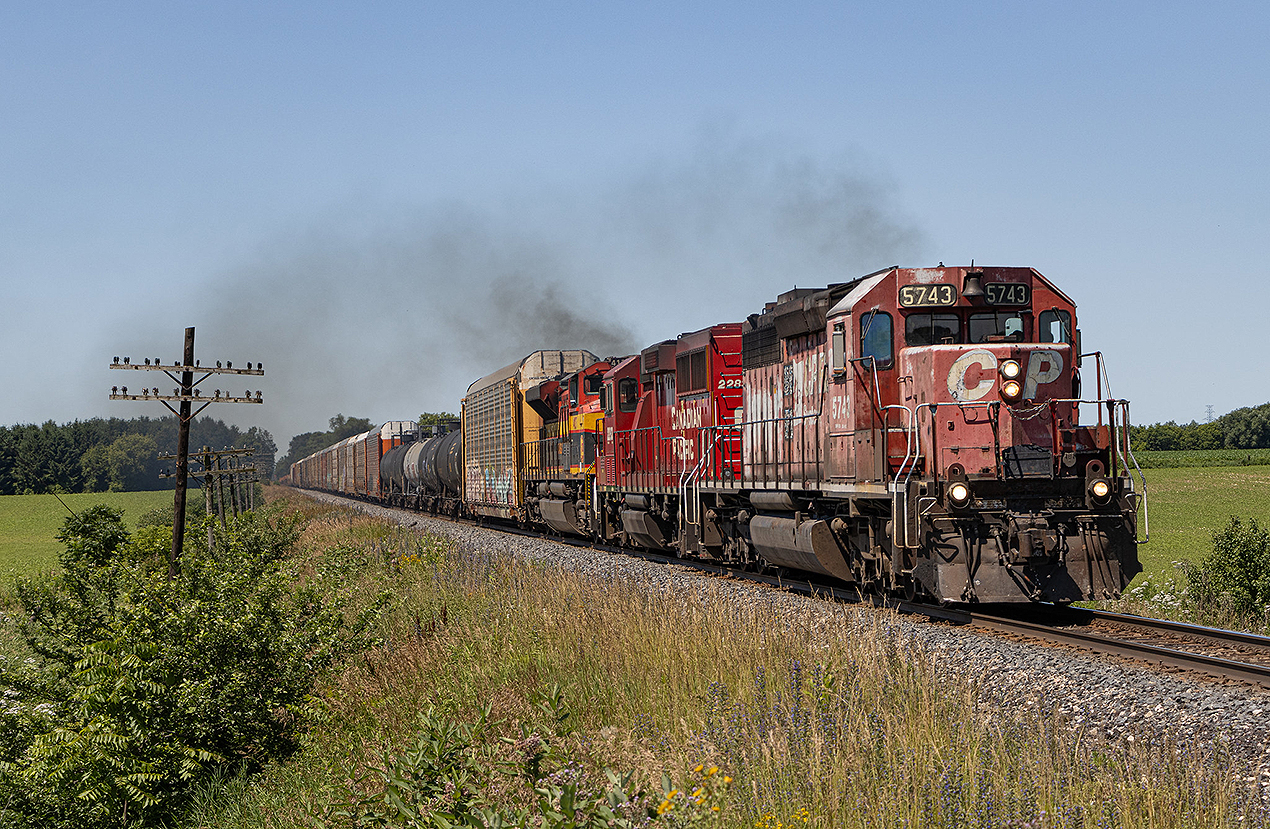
959,494
1010,369
1011,390
1100,489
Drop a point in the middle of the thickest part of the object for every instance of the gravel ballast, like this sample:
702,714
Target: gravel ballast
1104,696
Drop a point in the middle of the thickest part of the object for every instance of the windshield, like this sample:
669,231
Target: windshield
931,329
998,326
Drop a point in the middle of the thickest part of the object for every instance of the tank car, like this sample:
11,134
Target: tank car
424,472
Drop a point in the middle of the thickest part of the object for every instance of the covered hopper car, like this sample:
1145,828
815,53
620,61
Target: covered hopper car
922,432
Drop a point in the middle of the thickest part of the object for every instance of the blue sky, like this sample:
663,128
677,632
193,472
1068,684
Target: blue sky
369,197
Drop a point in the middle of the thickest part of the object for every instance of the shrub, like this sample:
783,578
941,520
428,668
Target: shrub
1236,574
195,510
136,686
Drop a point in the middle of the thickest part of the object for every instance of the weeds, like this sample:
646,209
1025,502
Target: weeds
550,697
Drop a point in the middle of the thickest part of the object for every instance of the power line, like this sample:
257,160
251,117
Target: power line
186,394
212,476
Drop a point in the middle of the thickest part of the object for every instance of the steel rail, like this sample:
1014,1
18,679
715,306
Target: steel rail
1217,635
1187,660
1053,632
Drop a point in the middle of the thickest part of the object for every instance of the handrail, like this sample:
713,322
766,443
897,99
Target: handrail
1128,445
687,478
912,437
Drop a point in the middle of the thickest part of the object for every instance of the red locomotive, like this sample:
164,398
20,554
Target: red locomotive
913,431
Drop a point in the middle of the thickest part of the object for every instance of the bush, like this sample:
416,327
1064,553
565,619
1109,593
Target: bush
1236,574
195,510
137,687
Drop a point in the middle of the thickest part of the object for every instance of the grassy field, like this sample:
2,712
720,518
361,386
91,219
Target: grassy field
28,524
757,718
1188,504
1202,457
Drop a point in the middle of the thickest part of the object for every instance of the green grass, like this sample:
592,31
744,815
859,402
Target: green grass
1202,457
28,524
837,722
1188,505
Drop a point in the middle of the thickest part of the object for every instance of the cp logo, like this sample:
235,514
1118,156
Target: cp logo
969,378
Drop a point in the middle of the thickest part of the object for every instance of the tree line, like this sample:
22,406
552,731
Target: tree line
1247,428
112,453
116,454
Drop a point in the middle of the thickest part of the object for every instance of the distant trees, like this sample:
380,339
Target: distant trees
1241,429
435,418
100,454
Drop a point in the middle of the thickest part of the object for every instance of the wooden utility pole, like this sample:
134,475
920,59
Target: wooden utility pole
187,394
212,477
182,455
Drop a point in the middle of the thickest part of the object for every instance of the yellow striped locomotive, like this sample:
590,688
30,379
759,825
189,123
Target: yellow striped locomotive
920,432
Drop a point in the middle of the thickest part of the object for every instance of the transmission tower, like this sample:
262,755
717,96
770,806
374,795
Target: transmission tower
186,394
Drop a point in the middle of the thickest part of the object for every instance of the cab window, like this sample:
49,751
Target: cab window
998,326
1055,325
931,329
627,394
875,340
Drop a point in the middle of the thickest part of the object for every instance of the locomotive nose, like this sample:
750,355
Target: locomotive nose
994,405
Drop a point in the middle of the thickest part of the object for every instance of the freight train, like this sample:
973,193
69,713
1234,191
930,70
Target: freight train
914,432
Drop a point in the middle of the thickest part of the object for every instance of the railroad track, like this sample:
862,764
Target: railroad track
1222,654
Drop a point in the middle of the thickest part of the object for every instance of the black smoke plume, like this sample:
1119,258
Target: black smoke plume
386,314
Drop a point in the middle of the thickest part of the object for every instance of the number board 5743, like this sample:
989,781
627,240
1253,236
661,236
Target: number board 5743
1007,293
927,296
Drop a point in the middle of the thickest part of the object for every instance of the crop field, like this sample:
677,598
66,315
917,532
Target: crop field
1188,504
28,524
1202,457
